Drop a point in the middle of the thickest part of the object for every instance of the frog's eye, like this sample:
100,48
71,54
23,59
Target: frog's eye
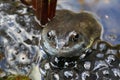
51,35
75,38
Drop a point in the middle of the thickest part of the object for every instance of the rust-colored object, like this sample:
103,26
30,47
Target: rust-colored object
34,4
52,8
44,9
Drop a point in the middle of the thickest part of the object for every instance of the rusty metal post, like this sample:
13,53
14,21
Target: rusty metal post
44,12
52,8
34,4
44,9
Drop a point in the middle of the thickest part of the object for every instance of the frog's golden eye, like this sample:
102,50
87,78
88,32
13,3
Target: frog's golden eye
51,35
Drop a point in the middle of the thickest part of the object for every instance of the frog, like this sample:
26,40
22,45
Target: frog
69,34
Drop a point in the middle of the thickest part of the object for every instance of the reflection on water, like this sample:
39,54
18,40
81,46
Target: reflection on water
21,53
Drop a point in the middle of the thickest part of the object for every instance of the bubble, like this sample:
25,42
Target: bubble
110,59
105,72
56,76
68,74
22,58
20,20
102,46
47,66
84,75
112,51
116,72
100,65
100,55
87,65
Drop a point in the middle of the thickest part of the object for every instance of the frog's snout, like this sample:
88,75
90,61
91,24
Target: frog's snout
60,44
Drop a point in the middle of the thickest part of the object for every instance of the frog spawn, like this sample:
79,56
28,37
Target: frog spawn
16,59
18,53
101,64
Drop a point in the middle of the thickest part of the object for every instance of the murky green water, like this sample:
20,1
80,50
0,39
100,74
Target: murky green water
20,49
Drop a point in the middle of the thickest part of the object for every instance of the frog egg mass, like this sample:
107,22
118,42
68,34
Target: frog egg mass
69,34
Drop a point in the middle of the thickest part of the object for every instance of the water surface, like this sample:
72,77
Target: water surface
20,43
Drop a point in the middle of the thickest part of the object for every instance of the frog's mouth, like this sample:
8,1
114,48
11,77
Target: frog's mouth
69,52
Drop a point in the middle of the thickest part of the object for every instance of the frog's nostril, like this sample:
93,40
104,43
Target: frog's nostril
60,44
66,44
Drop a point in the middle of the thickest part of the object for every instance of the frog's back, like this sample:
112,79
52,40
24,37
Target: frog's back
84,22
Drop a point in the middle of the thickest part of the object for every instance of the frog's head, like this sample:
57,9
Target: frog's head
69,34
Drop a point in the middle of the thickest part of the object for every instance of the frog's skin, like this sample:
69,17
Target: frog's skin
68,33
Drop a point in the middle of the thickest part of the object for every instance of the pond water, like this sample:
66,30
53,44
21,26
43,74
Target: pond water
22,54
